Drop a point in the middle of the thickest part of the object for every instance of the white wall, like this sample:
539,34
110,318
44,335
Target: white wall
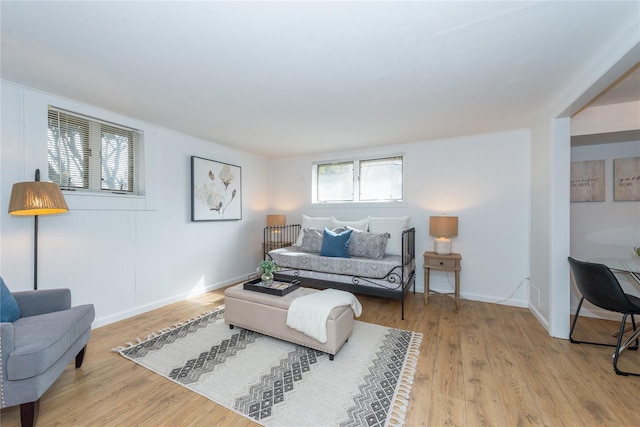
606,118
125,256
605,229
483,179
550,161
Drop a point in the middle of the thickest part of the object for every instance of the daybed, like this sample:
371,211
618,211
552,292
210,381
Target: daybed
367,269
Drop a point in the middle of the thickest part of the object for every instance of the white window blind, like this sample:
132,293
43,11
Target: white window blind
86,153
68,150
117,159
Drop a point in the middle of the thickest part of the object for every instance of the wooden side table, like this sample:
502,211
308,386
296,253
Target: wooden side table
451,262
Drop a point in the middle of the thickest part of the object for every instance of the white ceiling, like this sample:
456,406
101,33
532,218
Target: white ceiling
290,78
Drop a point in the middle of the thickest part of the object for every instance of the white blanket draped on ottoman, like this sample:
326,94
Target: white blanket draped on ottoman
309,314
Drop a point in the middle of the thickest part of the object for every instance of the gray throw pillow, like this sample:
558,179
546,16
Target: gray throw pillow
311,240
368,245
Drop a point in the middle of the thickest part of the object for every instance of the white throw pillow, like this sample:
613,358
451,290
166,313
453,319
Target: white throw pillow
392,225
319,223
361,224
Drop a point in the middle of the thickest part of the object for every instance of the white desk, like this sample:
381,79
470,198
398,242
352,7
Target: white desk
622,265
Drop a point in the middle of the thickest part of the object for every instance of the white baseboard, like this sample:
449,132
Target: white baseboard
597,313
540,317
103,321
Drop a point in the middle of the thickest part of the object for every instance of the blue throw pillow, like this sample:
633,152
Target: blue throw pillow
335,244
9,310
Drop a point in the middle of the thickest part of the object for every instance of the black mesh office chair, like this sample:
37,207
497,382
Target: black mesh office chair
600,287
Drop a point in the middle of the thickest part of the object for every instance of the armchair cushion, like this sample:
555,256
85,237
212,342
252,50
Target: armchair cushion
41,340
9,309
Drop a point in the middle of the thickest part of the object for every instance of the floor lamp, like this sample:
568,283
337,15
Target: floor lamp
34,199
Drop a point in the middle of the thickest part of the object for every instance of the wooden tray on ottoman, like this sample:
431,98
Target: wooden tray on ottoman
278,287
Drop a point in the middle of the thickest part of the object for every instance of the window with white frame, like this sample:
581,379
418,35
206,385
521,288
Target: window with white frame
365,180
86,153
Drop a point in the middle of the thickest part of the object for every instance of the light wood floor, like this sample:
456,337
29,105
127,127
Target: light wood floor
486,365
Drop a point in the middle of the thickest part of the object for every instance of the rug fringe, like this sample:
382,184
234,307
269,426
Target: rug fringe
401,398
163,331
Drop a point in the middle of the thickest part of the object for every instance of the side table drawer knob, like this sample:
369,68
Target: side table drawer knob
441,263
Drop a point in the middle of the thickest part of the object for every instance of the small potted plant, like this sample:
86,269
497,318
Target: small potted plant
268,267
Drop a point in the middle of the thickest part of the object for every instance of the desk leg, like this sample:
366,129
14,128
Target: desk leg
633,338
636,277
426,285
457,290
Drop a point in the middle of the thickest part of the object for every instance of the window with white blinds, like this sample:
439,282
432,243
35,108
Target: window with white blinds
86,153
366,180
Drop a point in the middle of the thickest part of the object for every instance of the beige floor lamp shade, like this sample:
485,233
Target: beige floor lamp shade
36,198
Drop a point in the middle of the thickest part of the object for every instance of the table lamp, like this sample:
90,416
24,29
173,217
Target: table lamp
274,222
34,199
443,227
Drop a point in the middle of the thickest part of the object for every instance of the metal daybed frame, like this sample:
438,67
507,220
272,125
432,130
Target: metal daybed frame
281,236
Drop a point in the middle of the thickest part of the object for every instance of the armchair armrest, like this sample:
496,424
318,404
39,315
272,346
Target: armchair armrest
7,345
42,301
6,341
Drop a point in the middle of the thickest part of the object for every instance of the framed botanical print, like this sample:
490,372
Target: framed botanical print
587,181
216,190
626,179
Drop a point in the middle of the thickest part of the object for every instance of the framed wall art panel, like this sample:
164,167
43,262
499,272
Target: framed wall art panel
587,181
216,190
626,179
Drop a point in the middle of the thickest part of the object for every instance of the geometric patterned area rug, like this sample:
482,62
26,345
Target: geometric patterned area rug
276,383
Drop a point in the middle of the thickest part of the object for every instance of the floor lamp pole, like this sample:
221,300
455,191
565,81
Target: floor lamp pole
35,253
35,243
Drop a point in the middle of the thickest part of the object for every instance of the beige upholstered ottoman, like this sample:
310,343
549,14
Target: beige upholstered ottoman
267,314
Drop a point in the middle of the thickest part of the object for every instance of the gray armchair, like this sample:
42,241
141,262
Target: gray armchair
37,347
